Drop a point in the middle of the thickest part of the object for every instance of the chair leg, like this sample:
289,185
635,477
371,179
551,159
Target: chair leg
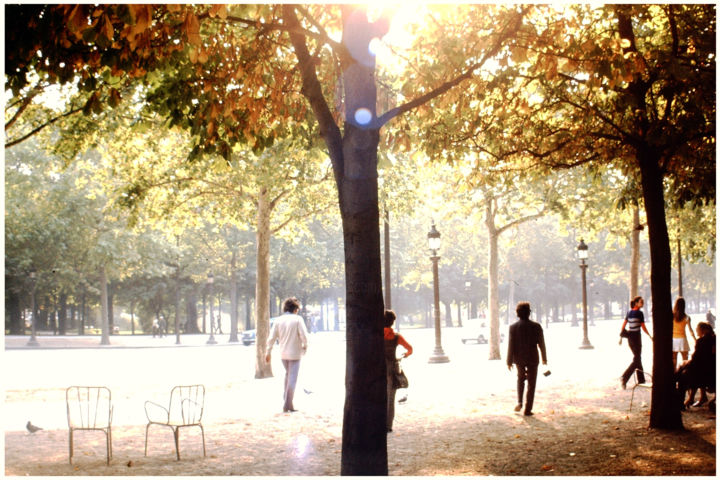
71,446
202,431
176,434
110,443
107,447
146,436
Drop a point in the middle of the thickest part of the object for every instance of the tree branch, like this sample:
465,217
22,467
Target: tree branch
468,73
312,90
12,143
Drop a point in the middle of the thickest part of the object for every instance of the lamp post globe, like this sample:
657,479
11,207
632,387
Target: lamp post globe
438,355
582,253
210,281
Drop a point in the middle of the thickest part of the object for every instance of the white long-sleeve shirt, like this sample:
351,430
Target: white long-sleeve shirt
289,329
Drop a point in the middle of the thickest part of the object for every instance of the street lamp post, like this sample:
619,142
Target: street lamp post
582,250
33,282
210,282
438,355
468,285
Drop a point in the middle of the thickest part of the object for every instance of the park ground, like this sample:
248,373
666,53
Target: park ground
458,417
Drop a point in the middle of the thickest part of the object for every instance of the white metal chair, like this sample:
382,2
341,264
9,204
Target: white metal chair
187,403
638,384
90,408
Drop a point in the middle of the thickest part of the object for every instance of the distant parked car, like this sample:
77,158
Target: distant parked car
475,330
248,336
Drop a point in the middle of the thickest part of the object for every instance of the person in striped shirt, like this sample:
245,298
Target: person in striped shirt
634,320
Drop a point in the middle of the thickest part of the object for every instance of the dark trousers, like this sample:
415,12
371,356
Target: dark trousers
292,368
526,373
391,391
635,343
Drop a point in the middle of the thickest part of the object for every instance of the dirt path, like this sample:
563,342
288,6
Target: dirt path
445,427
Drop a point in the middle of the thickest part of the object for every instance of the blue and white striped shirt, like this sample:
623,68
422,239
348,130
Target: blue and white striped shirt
635,318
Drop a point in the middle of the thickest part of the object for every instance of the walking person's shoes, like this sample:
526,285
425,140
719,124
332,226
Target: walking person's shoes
528,414
623,383
518,407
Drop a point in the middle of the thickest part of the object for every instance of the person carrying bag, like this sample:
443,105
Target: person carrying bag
395,377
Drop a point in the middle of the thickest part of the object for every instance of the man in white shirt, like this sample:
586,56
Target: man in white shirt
289,330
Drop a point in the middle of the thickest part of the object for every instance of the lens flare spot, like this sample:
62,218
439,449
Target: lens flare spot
301,445
363,116
374,46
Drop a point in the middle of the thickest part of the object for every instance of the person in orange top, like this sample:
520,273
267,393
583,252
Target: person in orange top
681,321
392,340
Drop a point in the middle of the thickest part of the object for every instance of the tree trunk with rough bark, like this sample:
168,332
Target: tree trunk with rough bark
634,254
262,285
233,299
493,288
664,411
105,324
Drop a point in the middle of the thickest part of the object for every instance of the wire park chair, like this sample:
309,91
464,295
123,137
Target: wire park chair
90,408
187,403
638,384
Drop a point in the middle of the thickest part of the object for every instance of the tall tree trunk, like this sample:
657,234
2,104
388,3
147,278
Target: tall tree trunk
104,308
111,313
664,411
634,254
448,314
62,313
388,281
132,317
679,267
191,313
248,308
262,285
364,443
493,289
354,159
233,299
12,303
81,323
336,304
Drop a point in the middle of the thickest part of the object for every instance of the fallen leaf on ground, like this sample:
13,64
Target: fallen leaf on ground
546,468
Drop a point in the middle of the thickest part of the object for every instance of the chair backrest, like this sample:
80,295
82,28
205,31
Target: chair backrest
88,407
186,404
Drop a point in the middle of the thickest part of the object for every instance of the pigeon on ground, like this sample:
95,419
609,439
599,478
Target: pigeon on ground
403,399
307,391
32,428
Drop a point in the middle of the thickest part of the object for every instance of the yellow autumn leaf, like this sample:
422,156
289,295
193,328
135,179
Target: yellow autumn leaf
218,10
192,29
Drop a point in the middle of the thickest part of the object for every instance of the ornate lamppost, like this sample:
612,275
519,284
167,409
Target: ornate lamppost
438,355
33,283
582,251
210,282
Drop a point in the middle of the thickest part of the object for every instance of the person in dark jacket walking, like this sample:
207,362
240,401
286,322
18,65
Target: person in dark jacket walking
525,338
